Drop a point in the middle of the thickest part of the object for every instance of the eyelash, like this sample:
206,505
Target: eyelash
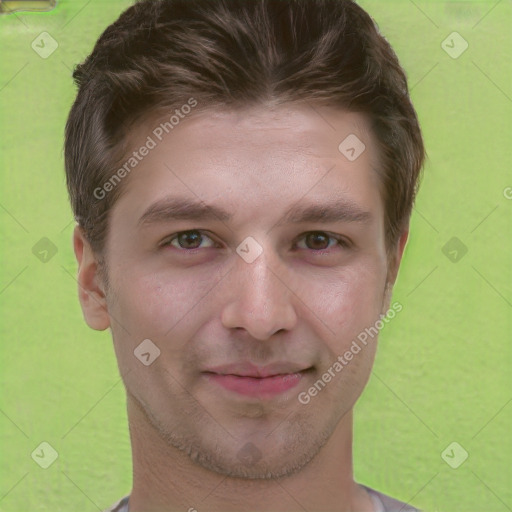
342,242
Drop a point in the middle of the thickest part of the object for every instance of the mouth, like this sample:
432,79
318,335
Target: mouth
262,382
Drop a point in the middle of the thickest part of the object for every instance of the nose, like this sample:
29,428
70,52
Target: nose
260,298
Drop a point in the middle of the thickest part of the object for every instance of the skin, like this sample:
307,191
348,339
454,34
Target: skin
209,307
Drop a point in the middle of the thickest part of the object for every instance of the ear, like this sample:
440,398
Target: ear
394,264
397,256
90,287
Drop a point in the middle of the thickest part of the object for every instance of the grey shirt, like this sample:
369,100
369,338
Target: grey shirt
381,502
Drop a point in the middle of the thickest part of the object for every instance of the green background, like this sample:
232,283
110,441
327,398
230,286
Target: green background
443,369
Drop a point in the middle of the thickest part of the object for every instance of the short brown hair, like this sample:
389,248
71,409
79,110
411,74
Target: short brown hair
232,53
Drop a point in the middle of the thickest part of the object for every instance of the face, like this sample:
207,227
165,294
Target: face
250,251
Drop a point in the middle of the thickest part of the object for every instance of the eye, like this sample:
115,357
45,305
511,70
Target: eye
316,240
187,240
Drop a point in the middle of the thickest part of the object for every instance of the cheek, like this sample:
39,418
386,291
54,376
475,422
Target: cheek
155,304
165,310
348,383
351,301
350,307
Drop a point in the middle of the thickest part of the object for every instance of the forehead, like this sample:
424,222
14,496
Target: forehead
288,127
255,158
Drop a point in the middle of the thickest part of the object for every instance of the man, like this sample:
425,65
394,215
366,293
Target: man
242,173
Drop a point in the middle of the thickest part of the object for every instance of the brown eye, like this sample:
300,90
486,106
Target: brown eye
320,241
317,241
191,239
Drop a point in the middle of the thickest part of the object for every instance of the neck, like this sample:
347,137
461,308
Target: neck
166,479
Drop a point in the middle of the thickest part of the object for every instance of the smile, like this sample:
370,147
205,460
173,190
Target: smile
268,386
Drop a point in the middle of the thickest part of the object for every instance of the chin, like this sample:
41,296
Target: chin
265,469
284,453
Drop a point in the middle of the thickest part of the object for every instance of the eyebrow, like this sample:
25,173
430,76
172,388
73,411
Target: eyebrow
182,208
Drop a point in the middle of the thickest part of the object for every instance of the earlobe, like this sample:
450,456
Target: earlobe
90,287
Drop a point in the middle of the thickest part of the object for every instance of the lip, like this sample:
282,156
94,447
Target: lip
258,381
